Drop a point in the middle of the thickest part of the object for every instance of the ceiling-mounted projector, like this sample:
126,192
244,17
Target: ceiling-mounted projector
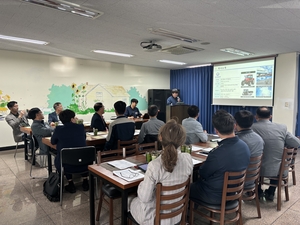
150,46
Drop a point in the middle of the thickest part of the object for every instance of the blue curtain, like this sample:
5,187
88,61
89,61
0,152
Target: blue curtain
196,89
297,132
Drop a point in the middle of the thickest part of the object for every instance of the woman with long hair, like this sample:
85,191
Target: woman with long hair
170,168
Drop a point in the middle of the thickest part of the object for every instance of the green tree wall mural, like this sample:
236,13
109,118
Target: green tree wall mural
82,97
134,93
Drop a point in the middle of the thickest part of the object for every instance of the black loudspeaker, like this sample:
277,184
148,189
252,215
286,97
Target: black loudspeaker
159,97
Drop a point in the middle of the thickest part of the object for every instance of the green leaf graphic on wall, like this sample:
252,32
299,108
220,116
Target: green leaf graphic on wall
71,97
134,93
61,94
4,99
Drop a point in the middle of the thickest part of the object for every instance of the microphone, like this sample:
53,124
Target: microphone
178,99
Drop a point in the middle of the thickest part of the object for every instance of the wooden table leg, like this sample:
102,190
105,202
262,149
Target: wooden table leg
124,207
92,199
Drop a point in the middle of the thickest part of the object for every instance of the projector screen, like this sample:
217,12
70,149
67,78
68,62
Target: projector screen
248,83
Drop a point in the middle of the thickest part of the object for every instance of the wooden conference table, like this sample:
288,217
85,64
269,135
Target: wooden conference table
27,131
91,140
87,127
105,173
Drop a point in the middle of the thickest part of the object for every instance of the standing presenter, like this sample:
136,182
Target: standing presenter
174,98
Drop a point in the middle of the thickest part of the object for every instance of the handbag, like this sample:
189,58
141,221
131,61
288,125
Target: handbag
52,187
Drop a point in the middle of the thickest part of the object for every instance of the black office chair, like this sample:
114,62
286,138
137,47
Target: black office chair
36,153
79,156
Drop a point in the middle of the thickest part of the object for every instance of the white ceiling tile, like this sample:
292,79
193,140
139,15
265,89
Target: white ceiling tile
264,27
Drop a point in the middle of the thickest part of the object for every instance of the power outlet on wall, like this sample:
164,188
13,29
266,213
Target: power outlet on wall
286,104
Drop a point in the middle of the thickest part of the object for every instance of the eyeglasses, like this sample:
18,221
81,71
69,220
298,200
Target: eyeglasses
129,174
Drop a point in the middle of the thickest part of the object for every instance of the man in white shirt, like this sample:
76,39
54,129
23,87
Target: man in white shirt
194,129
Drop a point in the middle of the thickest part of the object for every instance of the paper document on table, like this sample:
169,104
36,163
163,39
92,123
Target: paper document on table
195,161
121,164
137,132
97,137
196,148
128,174
104,135
216,139
207,149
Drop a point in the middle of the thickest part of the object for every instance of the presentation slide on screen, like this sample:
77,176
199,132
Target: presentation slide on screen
247,83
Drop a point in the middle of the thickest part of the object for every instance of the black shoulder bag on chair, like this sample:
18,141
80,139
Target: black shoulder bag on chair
51,187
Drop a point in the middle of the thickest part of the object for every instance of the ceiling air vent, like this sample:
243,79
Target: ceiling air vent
181,49
171,34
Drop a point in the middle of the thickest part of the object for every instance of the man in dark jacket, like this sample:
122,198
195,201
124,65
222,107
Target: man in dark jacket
54,116
70,135
232,154
40,128
98,121
120,129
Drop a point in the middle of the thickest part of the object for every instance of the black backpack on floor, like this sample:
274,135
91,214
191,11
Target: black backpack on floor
51,187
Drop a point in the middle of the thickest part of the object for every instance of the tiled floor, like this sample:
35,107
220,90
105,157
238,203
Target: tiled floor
22,200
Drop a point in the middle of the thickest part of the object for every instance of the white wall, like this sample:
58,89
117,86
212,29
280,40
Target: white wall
27,79
286,89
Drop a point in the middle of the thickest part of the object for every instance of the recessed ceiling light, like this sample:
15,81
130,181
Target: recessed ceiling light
172,62
112,53
67,7
236,51
11,38
202,65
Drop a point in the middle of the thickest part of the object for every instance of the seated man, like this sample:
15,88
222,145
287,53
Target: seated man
174,98
120,129
40,128
244,120
232,154
132,111
70,135
98,121
151,127
53,117
276,137
193,128
16,119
